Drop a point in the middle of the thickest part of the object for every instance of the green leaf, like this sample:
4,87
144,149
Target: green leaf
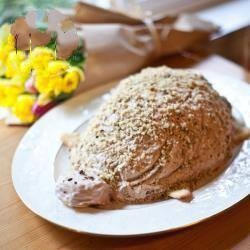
63,96
77,57
52,43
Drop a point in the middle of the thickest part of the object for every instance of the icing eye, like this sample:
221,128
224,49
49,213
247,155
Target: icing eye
81,172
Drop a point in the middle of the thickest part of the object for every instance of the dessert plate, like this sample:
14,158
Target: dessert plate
38,161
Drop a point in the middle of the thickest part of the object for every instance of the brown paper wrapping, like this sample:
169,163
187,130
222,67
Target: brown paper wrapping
120,44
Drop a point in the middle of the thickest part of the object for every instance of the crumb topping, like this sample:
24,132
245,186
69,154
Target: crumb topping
154,124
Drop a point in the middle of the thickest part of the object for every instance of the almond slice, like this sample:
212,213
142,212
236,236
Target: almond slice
243,134
69,140
182,194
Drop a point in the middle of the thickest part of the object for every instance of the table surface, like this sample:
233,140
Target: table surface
22,229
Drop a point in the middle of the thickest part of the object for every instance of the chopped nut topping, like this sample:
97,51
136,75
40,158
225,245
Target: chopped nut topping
158,126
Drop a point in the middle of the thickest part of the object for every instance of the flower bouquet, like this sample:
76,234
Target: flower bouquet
34,81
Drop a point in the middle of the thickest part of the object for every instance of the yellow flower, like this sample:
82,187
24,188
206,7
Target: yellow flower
3,57
6,45
77,70
42,83
3,101
18,82
40,57
71,81
22,109
57,68
10,43
13,63
25,69
9,92
57,85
